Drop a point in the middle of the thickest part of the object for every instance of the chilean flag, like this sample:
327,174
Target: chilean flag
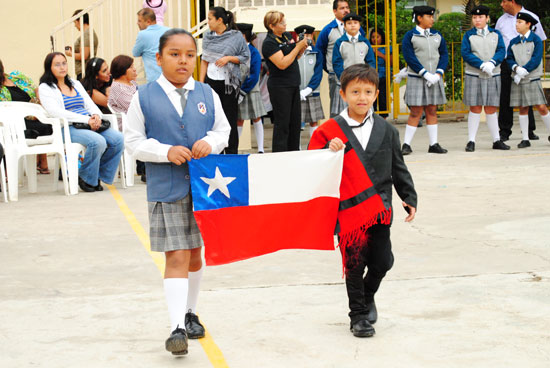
250,205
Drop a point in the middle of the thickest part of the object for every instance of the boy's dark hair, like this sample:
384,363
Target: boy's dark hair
147,14
85,17
48,76
335,3
362,72
172,32
120,65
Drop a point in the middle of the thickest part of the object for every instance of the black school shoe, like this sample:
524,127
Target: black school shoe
406,149
372,314
177,342
470,146
436,148
195,330
500,145
533,136
524,144
362,328
98,187
85,186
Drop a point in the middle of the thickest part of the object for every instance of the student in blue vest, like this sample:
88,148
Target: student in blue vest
425,52
311,74
524,57
171,121
352,48
483,51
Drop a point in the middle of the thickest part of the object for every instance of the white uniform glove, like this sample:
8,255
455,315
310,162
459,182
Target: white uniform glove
304,93
431,78
241,95
399,76
487,67
521,71
517,79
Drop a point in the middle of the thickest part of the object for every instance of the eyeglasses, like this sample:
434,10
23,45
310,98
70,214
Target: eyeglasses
57,65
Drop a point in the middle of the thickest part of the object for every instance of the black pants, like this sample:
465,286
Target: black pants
377,257
287,111
231,108
381,103
506,113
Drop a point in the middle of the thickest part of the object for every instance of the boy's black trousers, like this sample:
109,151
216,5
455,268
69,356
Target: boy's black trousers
377,258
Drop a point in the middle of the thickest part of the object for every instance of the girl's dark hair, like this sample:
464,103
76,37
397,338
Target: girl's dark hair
120,65
227,17
249,35
2,77
362,72
172,32
152,6
48,76
90,82
380,32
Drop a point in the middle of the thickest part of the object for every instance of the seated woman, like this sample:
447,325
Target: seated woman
97,82
63,97
15,86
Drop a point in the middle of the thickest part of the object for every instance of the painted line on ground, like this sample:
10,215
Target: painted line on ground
212,351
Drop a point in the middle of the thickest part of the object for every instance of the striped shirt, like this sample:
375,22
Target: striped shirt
75,104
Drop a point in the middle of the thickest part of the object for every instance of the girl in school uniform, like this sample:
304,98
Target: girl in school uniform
425,52
483,51
525,59
171,121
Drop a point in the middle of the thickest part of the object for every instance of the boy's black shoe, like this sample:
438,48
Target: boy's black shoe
436,148
195,330
470,146
406,149
362,328
549,138
524,144
177,342
98,187
143,178
533,136
372,314
500,145
85,186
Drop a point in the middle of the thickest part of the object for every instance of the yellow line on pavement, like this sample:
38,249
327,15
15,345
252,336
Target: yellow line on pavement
212,351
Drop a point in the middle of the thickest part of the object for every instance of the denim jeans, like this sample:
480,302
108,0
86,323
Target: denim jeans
102,157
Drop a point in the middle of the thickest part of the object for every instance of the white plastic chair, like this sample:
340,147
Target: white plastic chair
17,146
3,183
129,160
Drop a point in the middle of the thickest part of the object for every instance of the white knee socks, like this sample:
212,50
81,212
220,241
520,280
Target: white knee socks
239,130
546,120
492,124
473,125
259,130
194,288
432,133
524,125
176,290
409,134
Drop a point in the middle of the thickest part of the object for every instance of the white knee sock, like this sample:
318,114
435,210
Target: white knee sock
473,125
239,130
409,134
546,120
524,125
492,124
194,288
259,130
176,290
432,133
311,130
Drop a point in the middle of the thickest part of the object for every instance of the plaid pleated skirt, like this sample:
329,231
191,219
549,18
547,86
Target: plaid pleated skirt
527,94
481,91
312,109
172,226
418,93
252,106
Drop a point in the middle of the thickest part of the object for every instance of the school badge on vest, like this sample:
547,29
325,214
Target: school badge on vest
202,107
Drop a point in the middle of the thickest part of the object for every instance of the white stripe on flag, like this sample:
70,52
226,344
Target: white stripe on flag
289,177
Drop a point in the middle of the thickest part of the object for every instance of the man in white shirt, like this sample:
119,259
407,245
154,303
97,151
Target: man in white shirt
506,25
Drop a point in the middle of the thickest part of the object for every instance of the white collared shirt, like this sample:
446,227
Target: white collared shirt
150,149
363,133
484,29
340,26
350,36
506,24
526,35
422,30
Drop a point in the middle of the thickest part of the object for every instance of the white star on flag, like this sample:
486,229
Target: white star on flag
218,182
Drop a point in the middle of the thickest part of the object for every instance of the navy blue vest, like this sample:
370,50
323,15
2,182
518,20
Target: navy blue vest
168,182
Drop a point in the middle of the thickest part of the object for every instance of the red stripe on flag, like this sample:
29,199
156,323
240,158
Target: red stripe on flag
237,233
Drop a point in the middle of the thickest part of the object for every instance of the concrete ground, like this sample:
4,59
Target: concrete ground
470,286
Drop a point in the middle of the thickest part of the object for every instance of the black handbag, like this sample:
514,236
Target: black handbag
105,124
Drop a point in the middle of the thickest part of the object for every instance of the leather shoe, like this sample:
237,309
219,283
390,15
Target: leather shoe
533,136
195,330
406,149
436,148
470,146
524,144
143,178
98,187
85,186
549,138
372,314
504,138
362,328
500,145
177,342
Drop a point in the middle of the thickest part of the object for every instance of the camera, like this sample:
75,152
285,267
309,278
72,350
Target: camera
301,37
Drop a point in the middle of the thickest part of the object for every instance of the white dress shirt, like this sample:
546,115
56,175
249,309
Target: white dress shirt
340,26
506,25
363,133
422,30
150,149
356,36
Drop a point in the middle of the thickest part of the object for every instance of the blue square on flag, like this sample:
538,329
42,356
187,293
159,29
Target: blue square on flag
219,181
